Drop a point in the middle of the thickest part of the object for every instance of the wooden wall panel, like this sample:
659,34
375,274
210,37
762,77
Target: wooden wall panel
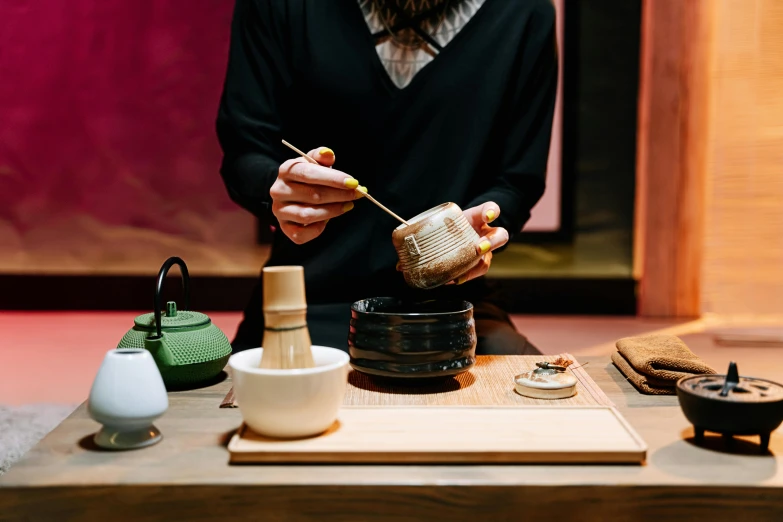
671,148
743,255
709,233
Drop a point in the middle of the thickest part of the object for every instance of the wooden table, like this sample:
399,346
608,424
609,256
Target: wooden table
186,477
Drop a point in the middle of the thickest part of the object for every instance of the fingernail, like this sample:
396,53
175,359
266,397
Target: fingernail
326,152
484,246
363,190
351,183
347,206
490,215
462,279
397,267
327,221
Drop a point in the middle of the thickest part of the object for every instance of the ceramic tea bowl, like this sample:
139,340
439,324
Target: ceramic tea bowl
290,403
731,405
437,246
393,339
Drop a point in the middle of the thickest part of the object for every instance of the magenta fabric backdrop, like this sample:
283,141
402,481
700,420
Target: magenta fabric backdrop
108,155
107,112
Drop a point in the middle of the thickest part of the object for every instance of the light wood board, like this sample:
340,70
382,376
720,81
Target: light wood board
455,435
489,383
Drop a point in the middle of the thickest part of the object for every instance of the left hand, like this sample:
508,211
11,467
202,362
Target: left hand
490,238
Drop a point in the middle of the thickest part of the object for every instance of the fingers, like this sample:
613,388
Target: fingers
298,170
301,234
493,239
482,214
479,270
289,191
308,214
323,155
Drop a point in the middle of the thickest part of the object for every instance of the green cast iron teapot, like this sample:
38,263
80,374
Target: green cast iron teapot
186,346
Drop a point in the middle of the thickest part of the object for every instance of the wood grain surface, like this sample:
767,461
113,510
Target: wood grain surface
489,383
671,157
187,476
456,435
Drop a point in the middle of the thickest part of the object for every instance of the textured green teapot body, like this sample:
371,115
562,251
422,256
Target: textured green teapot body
190,349
187,348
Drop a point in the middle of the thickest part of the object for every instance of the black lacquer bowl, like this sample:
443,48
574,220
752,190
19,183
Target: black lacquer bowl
395,339
731,405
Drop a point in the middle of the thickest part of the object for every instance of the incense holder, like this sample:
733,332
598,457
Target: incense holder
731,405
436,247
547,381
394,339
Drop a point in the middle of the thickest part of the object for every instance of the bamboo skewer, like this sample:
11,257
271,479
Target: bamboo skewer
366,195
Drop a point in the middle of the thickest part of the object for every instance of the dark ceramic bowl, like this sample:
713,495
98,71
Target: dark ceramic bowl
731,405
393,339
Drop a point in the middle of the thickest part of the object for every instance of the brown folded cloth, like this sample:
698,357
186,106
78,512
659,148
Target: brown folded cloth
655,363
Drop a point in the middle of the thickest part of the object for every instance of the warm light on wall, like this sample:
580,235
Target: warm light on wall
743,248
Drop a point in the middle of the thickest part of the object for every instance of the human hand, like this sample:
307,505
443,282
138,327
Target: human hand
491,238
306,196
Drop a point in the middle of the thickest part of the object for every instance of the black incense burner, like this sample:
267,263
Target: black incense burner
731,405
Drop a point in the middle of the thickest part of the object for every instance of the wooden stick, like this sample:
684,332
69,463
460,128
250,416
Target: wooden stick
366,195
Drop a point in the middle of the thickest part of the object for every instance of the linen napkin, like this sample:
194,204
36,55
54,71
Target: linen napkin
655,363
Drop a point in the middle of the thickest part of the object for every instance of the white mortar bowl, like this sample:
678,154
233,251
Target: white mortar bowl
291,403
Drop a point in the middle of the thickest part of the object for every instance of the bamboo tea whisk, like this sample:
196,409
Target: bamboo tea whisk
286,341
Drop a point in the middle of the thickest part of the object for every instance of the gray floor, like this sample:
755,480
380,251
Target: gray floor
21,427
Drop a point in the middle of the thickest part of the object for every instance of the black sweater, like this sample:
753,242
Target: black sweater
473,126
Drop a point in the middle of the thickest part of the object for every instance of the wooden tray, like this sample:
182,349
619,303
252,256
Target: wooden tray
454,435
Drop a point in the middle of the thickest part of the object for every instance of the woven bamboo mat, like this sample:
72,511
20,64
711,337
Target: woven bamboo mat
489,383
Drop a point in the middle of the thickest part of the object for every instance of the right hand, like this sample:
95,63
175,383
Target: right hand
306,196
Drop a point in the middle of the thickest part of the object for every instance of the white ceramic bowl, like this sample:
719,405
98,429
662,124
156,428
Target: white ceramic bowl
290,403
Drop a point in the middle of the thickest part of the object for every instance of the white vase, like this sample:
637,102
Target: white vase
127,395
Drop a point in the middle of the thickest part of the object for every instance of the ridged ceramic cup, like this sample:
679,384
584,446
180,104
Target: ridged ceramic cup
438,246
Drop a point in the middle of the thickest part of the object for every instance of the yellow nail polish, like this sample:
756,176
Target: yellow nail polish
347,206
490,215
351,183
462,279
484,246
326,152
363,190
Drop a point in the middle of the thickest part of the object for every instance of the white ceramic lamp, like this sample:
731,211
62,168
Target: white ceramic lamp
127,395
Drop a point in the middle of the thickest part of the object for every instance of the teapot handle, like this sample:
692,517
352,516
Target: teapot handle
164,270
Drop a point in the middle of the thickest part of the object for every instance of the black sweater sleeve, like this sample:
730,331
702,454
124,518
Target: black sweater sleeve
526,136
248,122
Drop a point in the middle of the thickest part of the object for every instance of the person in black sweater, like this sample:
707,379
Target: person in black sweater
426,101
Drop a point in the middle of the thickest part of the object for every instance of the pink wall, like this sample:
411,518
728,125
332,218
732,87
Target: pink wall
108,157
107,112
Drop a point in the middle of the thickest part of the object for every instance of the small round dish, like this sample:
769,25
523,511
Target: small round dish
395,339
548,381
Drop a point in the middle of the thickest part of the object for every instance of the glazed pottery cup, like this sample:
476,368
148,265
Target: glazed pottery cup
127,395
391,338
438,246
290,403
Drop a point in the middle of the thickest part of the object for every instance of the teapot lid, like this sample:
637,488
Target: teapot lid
172,319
